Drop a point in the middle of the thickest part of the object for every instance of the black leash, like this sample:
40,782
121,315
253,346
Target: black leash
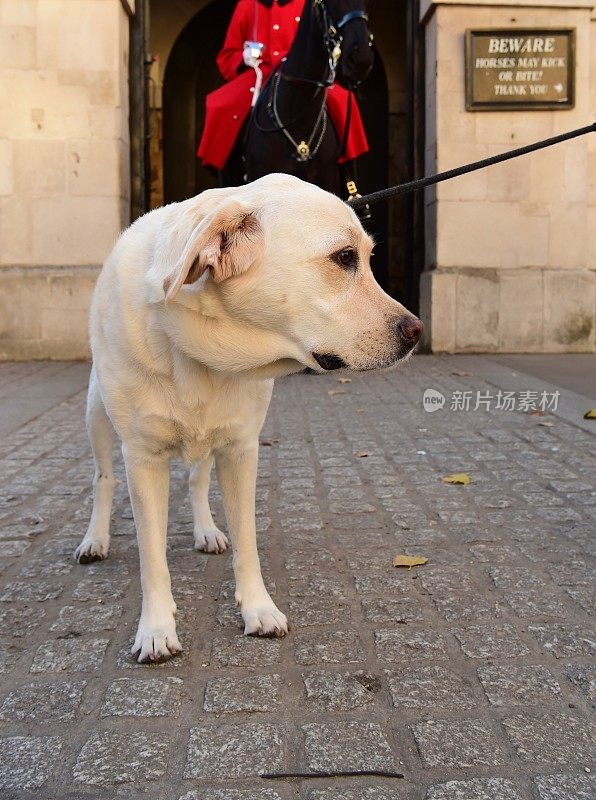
412,186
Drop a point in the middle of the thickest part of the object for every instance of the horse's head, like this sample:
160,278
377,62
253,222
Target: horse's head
347,22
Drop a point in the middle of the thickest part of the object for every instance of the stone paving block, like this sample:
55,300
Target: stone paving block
318,560
27,762
565,639
552,738
43,703
467,606
100,589
245,651
330,647
343,746
535,602
458,743
240,750
584,596
20,621
379,584
583,676
18,591
437,580
9,655
44,568
495,553
566,787
255,693
361,793
318,612
572,573
143,697
69,655
317,585
517,578
515,685
229,616
490,641
87,619
477,789
406,644
335,691
393,610
109,759
431,686
13,548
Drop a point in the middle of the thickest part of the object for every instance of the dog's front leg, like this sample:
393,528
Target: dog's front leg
148,485
237,473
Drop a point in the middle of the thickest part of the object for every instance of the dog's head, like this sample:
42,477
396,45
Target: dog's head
279,270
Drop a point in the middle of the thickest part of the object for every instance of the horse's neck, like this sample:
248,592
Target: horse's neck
307,58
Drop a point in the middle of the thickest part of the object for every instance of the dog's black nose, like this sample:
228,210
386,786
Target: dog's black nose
410,328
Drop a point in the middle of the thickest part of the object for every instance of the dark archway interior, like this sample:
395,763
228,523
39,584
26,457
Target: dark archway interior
372,168
191,73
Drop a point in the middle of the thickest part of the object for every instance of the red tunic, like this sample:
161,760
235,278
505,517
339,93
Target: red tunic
228,106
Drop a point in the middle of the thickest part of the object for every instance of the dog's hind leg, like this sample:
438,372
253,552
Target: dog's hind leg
96,542
207,535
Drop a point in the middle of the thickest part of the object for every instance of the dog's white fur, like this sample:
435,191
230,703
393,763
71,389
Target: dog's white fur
198,307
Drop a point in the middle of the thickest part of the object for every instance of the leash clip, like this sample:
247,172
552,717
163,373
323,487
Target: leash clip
353,194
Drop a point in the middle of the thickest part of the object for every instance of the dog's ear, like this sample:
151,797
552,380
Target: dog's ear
228,241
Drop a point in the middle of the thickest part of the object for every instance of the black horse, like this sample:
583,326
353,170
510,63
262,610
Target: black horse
288,130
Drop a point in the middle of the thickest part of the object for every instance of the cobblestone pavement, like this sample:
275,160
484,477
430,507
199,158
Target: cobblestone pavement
474,675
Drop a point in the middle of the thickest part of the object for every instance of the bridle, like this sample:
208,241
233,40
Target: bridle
307,149
332,34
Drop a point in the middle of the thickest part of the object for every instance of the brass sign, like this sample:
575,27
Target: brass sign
519,69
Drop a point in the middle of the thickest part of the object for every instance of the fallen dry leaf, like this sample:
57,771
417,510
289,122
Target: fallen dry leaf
462,374
331,392
545,423
361,453
344,380
591,414
457,479
409,561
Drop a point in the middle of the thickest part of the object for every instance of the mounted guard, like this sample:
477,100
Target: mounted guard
259,37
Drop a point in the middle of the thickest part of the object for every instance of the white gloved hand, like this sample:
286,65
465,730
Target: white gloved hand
252,54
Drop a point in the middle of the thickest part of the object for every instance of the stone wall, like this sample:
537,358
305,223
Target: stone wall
511,250
64,166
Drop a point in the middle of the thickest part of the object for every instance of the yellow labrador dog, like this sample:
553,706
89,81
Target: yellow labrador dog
199,306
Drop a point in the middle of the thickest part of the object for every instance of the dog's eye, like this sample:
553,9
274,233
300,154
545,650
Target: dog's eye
346,258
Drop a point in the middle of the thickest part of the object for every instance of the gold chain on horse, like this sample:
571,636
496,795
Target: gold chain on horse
304,149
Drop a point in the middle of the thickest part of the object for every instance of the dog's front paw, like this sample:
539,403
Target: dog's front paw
211,541
263,618
156,639
91,550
